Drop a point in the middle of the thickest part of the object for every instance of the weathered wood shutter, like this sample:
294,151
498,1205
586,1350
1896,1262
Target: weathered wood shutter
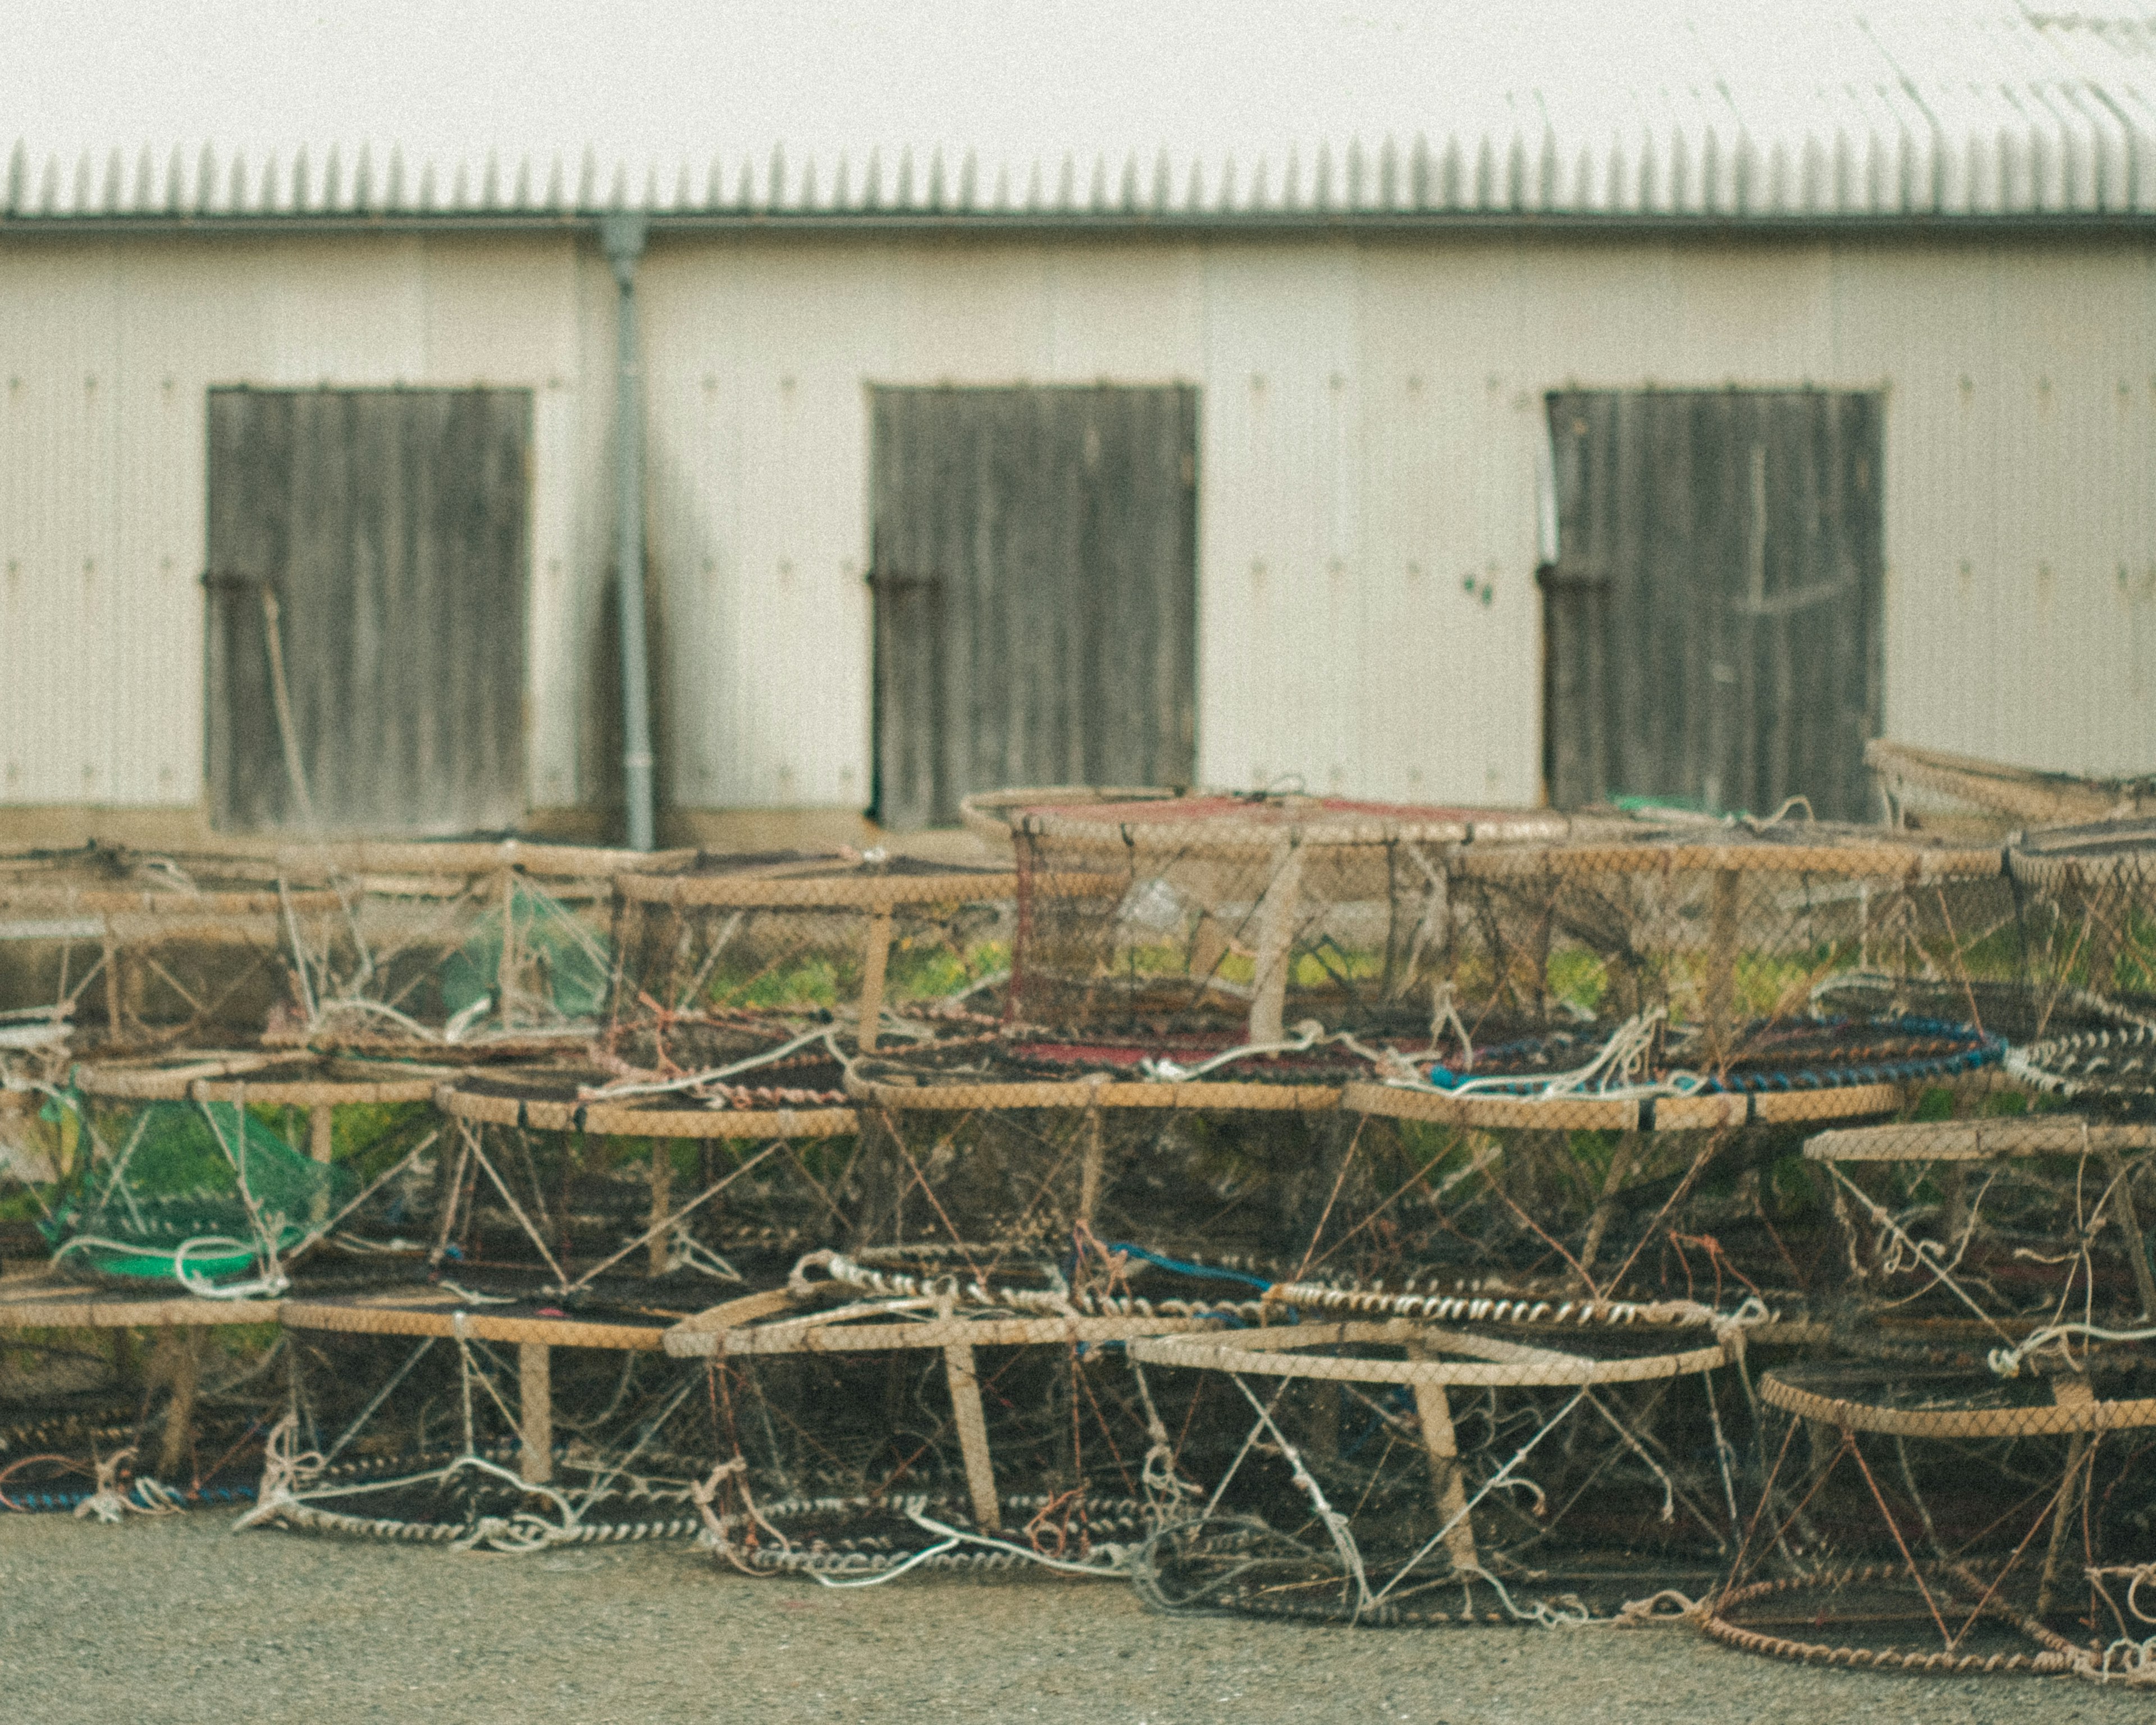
1713,624
389,528
1036,572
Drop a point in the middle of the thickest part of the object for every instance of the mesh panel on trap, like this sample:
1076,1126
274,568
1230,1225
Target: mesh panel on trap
1722,926
1328,1193
1943,1521
408,1422
496,949
1258,910
947,1405
365,1124
202,1194
830,938
1399,1471
2088,898
581,1174
2029,1234
139,951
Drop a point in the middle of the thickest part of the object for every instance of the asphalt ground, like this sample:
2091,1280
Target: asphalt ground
178,1618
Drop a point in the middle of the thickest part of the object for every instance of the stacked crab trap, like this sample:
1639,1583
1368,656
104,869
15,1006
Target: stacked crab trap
1955,1484
2088,909
691,1150
135,952
473,950
1292,1207
1192,981
1931,790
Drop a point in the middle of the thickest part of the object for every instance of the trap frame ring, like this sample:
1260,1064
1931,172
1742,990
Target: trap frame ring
819,885
235,1077
990,814
1713,1111
426,860
2091,857
1977,1140
756,1324
167,908
872,895
2070,1414
1283,1352
43,1302
555,1114
1080,1094
2020,792
1227,823
1850,853
2058,1657
424,1312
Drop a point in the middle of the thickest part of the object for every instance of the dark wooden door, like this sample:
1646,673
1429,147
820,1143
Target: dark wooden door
1713,621
385,531
1036,567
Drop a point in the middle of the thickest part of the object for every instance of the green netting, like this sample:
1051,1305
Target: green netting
197,1191
559,965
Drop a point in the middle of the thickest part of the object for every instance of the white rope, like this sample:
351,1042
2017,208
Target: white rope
894,1572
1617,1072
1335,1524
1489,1484
109,1505
2006,1361
203,1244
1114,1569
1923,1255
667,1086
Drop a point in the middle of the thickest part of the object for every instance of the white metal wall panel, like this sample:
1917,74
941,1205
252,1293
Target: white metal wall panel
2020,461
111,348
1369,415
57,406
1450,506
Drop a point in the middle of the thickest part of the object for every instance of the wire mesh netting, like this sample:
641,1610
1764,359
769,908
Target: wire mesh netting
579,1179
1252,911
1978,799
1723,925
403,1424
882,947
215,1174
500,950
126,950
2088,913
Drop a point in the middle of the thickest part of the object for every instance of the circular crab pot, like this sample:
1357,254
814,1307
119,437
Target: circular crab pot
503,947
155,951
1262,910
197,1167
835,938
2087,898
581,1173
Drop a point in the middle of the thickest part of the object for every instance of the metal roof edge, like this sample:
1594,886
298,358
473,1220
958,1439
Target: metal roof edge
1170,224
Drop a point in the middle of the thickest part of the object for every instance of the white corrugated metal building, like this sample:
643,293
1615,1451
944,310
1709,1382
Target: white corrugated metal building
1375,247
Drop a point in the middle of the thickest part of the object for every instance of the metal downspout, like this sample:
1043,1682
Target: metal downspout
621,236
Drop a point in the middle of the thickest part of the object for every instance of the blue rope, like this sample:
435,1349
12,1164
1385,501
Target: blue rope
32,1503
1181,1268
1981,1050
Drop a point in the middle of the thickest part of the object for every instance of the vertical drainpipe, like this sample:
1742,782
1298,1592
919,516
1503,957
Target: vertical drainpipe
621,236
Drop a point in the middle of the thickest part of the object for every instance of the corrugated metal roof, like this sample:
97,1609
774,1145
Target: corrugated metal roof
1656,109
